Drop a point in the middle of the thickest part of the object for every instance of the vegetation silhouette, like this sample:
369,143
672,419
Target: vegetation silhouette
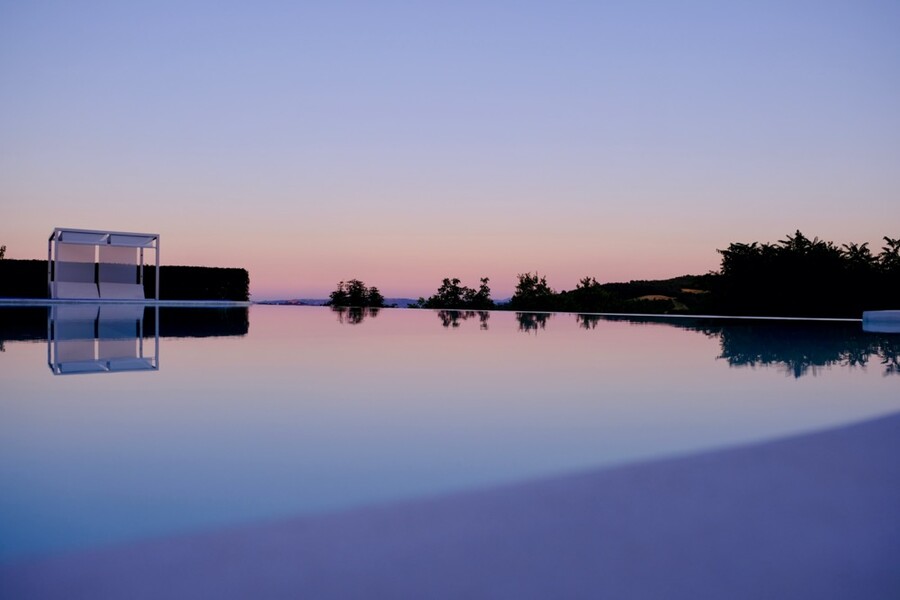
533,293
654,297
796,276
452,318
28,279
354,315
452,295
355,293
802,277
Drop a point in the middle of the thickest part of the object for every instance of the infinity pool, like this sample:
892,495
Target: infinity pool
118,425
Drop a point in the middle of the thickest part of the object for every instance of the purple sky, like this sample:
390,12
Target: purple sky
401,143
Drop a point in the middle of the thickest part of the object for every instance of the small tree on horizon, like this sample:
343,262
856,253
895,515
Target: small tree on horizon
375,299
452,295
355,293
889,257
532,293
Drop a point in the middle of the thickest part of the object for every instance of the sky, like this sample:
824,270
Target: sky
404,142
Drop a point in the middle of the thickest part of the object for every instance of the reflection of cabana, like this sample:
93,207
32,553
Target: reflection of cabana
89,264
90,338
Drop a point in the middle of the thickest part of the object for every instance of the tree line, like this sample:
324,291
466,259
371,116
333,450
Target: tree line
796,276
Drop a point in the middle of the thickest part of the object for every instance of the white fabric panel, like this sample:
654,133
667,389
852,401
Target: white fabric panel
74,263
74,271
121,291
118,265
81,291
74,330
75,253
119,324
75,312
118,254
75,351
118,348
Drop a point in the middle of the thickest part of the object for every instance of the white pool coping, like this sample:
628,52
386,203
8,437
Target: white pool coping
813,516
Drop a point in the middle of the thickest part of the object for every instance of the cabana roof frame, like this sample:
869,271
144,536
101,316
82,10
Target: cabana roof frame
96,237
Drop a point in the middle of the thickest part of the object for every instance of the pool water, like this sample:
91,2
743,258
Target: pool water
116,426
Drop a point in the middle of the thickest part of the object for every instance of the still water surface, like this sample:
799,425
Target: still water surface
224,417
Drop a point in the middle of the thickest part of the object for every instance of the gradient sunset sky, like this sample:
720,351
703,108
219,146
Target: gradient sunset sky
403,142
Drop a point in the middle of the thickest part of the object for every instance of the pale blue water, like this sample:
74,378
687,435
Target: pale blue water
232,417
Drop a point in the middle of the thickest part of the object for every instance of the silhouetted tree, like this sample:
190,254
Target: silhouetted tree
481,299
355,293
799,276
889,257
2,252
453,295
375,299
588,296
532,293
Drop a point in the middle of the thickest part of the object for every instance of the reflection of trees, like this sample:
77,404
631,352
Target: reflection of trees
799,348
802,349
354,315
890,356
529,322
452,318
588,321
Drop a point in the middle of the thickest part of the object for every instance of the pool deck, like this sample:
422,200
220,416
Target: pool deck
814,516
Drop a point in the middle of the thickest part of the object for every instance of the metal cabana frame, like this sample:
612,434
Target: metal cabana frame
78,270
101,338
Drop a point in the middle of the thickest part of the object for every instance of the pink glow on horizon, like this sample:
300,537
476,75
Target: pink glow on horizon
284,263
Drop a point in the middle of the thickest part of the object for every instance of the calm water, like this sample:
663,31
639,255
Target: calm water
229,417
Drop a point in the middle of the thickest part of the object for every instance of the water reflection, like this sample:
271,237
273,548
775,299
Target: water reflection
452,318
354,315
93,338
531,322
30,323
269,424
797,347
200,322
588,321
102,338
